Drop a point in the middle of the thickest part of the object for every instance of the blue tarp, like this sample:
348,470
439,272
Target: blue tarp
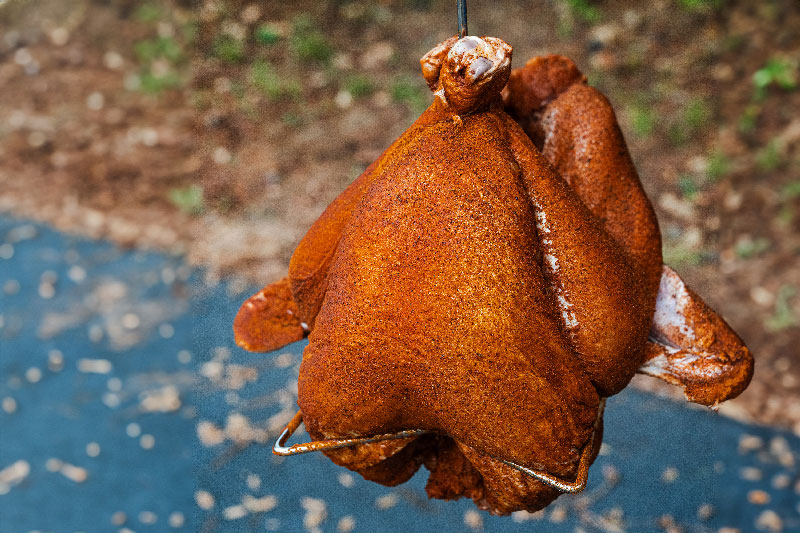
121,390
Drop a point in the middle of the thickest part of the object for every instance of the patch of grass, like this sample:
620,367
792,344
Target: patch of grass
585,10
189,31
148,12
228,49
749,119
693,118
643,120
359,85
149,50
308,43
697,113
151,83
747,248
700,5
785,217
157,57
597,79
682,255
783,316
688,187
188,199
267,34
770,157
791,190
777,71
719,164
271,84
404,90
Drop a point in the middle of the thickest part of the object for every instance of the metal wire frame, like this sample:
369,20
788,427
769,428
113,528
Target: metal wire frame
575,486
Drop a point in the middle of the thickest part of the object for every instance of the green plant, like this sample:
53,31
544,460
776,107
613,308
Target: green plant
148,12
643,120
189,31
359,85
152,83
267,34
585,11
273,86
408,91
697,113
688,187
692,119
769,157
228,49
791,190
777,71
783,316
700,5
149,50
747,248
308,43
749,118
188,199
718,165
680,254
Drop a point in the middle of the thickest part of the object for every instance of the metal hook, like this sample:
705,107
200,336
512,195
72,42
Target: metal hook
280,447
461,7
572,487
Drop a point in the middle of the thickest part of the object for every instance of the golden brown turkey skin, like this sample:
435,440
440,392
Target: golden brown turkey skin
488,283
453,234
439,317
576,129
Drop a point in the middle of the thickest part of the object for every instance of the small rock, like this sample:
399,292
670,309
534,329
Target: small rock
705,511
148,518
234,512
316,512
473,520
176,519
769,521
750,473
669,474
259,505
9,405
346,524
204,500
387,501
118,518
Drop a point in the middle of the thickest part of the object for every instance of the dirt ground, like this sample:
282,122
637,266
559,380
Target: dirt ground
221,130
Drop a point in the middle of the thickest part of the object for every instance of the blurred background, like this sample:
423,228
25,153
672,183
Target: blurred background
216,132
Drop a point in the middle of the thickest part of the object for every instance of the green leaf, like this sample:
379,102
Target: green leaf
188,199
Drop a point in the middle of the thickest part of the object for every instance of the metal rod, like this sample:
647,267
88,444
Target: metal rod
462,18
572,487
280,447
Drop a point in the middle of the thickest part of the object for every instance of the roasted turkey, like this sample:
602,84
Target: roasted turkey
492,277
